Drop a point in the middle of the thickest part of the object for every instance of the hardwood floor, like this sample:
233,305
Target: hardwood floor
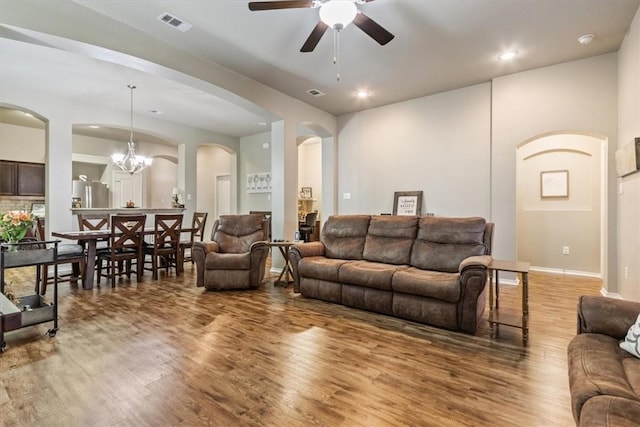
165,353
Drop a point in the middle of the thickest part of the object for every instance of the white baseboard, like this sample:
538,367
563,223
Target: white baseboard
567,272
509,282
276,270
608,294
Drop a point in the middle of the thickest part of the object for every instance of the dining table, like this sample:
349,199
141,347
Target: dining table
91,238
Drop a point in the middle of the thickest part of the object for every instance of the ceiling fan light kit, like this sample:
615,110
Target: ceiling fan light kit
337,14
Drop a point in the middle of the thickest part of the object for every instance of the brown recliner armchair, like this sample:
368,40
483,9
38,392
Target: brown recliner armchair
236,256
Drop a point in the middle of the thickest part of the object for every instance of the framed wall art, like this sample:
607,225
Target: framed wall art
554,184
306,193
259,182
407,203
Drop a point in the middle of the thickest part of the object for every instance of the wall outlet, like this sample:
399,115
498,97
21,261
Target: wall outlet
565,250
626,272
346,196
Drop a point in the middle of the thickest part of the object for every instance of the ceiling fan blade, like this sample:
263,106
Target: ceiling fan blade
286,4
314,37
372,28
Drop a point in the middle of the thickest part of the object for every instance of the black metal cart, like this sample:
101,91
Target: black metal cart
31,309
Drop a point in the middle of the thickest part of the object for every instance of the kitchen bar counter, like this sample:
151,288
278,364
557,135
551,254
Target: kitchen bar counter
114,211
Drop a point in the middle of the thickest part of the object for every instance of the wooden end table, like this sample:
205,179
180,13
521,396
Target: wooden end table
287,272
497,318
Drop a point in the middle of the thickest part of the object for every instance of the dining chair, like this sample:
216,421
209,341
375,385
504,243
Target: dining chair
165,246
92,222
307,229
68,253
125,246
198,221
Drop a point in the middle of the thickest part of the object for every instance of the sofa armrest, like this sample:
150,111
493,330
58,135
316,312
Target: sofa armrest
308,249
475,261
259,254
608,316
299,251
199,253
473,282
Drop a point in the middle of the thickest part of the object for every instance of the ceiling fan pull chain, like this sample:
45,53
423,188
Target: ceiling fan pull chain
336,52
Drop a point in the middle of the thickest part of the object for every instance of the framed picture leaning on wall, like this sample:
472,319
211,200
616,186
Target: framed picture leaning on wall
407,203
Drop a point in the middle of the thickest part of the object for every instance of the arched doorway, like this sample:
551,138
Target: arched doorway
310,178
561,203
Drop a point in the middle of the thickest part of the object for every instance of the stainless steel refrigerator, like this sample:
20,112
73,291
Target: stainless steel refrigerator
92,194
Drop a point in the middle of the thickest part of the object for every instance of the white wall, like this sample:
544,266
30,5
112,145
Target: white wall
21,144
161,180
211,162
439,144
459,147
254,158
628,129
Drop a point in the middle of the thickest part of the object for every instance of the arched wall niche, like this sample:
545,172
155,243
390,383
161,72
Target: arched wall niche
549,227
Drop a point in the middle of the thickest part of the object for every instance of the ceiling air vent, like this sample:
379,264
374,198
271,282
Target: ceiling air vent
315,92
175,22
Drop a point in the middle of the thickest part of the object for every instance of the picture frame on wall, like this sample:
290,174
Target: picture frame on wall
554,184
407,203
37,209
306,193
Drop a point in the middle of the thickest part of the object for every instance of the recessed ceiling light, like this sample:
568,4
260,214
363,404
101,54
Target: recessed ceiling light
152,111
506,56
586,38
362,93
94,126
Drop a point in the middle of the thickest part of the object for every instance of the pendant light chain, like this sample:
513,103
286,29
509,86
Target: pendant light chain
132,87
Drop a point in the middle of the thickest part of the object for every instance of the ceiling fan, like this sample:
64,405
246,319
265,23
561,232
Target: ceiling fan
335,14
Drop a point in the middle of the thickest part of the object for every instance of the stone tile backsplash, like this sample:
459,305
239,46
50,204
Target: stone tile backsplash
16,203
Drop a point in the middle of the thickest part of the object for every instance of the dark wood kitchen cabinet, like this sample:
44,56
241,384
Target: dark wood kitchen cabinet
21,179
8,178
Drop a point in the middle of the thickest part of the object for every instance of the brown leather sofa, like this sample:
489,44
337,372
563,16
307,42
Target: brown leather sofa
431,270
604,379
236,256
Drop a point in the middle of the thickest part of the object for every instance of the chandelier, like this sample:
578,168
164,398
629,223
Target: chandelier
131,162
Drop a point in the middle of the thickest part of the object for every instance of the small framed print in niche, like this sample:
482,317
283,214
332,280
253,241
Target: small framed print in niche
306,193
554,184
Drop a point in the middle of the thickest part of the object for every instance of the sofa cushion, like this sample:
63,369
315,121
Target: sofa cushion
390,238
443,243
451,230
610,411
433,284
368,299
368,274
218,261
319,267
597,366
321,289
343,236
236,233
